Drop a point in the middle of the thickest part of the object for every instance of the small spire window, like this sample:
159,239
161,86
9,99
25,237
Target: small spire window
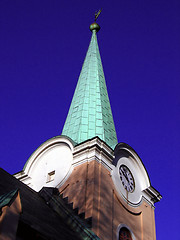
50,176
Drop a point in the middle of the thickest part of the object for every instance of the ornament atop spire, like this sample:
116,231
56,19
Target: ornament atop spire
95,26
97,14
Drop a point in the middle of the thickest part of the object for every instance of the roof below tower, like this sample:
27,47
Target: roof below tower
90,111
45,215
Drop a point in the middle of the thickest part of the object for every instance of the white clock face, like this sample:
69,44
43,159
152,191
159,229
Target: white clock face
126,178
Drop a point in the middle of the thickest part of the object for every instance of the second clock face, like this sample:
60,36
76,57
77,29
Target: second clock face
126,178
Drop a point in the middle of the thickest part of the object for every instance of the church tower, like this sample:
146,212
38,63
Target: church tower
105,180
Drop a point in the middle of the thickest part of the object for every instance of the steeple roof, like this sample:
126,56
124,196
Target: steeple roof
90,111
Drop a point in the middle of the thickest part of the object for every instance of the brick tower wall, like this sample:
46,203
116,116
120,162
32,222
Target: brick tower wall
90,188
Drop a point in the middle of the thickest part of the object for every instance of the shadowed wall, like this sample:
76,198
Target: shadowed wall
91,189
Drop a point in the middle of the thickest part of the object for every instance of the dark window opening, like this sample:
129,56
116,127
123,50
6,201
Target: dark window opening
124,234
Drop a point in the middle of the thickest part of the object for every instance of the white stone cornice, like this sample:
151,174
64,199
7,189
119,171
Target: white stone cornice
152,195
93,149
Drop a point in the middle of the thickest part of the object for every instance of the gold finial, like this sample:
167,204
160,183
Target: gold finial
94,26
97,14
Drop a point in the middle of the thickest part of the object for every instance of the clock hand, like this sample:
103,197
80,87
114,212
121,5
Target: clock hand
125,175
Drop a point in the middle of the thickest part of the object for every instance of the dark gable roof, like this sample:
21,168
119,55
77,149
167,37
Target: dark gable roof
7,198
36,213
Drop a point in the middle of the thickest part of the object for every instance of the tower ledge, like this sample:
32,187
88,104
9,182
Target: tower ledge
93,149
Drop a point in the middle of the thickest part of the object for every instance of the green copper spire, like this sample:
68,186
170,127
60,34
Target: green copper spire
90,111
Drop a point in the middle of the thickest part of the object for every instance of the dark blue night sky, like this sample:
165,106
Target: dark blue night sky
42,48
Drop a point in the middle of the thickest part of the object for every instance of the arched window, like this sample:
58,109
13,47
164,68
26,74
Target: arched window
124,234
